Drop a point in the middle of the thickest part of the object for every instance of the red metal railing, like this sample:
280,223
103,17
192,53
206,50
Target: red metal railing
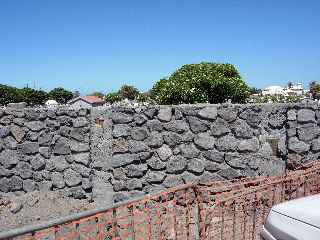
225,210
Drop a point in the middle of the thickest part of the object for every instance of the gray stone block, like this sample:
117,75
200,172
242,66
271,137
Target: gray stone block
164,152
235,160
80,122
195,166
45,152
214,155
220,127
204,141
59,163
118,117
249,145
155,177
44,186
78,147
86,184
155,140
189,150
38,163
121,130
62,147
197,125
134,184
29,185
227,143
17,132
15,183
172,139
4,185
139,133
137,146
155,163
136,170
228,114
292,115
120,145
83,158
72,178
176,164
241,129
229,173
307,132
82,170
57,180
297,146
208,113
119,160
154,125
10,143
5,172
35,126
9,158
165,114
178,126
305,116
139,119
24,169
172,181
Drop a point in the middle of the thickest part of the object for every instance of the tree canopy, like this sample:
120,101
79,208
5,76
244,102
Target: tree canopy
61,95
203,82
31,96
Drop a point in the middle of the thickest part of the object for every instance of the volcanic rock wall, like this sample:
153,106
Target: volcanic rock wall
127,152
43,149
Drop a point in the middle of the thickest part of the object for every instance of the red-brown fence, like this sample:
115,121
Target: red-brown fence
220,210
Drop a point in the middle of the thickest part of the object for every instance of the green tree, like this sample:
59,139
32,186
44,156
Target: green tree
97,94
315,89
254,90
113,97
203,82
9,94
61,95
33,97
129,92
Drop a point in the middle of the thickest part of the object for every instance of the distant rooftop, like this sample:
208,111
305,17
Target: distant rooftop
88,99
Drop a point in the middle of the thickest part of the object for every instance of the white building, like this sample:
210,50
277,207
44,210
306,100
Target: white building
293,90
51,103
273,91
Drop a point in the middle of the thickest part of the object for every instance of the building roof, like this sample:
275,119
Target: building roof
274,88
88,99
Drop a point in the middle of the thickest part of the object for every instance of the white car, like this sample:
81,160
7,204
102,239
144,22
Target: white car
294,220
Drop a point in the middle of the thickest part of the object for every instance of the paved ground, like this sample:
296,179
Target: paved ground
37,207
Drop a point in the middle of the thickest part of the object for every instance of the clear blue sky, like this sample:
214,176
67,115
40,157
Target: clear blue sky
100,45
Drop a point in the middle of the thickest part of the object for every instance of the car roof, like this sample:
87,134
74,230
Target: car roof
306,209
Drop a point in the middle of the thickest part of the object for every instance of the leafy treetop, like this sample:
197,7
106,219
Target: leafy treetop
203,82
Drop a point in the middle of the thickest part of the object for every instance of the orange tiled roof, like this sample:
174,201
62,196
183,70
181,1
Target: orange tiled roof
92,99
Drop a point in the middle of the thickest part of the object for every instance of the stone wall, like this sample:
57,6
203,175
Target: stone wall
160,147
127,152
43,149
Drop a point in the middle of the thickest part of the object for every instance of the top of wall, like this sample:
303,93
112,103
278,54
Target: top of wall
304,104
